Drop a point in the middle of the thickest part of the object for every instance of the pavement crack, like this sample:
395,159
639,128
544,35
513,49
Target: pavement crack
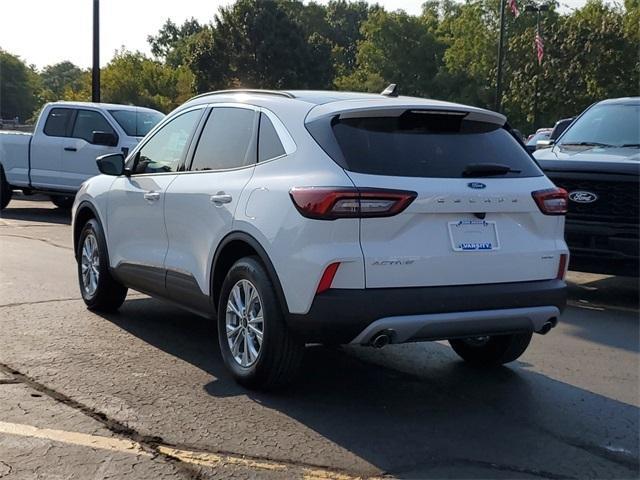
19,304
48,242
5,469
156,446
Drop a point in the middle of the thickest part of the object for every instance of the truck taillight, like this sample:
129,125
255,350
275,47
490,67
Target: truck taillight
552,201
330,203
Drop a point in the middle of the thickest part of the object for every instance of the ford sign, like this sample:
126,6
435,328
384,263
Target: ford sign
581,196
476,185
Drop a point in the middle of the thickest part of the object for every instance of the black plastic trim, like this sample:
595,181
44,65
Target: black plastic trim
339,315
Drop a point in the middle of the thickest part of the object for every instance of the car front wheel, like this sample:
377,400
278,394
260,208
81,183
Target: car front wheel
100,291
255,342
492,350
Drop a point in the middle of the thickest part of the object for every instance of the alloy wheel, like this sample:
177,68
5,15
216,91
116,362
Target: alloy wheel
244,323
90,264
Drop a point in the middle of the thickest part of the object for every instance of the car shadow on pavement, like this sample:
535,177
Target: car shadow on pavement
612,291
417,411
35,208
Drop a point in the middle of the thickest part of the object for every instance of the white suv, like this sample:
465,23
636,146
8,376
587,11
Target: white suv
326,217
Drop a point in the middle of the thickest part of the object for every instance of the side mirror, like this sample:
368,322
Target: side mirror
107,139
111,164
540,144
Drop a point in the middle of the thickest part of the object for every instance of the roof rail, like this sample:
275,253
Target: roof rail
246,90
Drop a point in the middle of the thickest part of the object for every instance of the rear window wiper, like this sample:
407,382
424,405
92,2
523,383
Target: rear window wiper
487,169
630,145
586,144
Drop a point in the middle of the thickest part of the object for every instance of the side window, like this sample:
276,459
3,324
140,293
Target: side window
57,122
89,121
227,140
269,144
165,150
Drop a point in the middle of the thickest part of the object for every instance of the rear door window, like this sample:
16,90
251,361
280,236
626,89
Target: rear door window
417,144
58,122
228,140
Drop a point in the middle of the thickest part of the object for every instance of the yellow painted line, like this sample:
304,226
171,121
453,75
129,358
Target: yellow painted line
74,438
205,459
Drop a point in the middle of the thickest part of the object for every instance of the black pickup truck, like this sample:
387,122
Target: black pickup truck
597,160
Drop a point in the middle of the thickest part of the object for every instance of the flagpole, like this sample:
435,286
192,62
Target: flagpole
498,104
538,9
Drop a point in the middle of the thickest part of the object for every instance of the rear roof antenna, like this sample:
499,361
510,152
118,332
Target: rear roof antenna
390,91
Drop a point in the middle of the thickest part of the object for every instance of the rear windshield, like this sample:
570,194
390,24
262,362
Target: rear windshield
417,144
136,123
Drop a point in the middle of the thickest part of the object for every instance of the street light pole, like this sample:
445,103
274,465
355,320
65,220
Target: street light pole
95,72
498,104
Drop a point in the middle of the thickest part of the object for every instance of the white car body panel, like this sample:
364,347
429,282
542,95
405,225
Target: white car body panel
184,228
135,226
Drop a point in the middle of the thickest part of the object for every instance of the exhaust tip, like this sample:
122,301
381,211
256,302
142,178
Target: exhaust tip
381,339
548,326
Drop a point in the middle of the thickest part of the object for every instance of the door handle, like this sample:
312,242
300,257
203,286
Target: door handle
152,196
220,198
70,149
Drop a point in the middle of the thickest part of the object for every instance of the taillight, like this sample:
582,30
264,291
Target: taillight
562,266
553,201
330,203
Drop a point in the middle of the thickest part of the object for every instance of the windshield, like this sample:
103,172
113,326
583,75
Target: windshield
612,125
136,123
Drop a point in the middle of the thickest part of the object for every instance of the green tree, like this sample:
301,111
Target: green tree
256,43
18,86
133,78
64,81
171,44
396,48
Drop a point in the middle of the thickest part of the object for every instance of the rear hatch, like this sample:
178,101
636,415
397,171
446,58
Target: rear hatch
474,219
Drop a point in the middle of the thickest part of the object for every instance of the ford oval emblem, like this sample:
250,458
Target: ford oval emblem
476,185
582,196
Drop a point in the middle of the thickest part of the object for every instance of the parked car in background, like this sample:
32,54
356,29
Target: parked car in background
558,129
329,217
532,141
597,160
61,152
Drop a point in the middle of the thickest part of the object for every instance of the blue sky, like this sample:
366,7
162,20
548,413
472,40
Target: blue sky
43,32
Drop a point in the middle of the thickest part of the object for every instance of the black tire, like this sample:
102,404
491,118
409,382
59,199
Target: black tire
280,355
496,350
109,294
5,190
62,201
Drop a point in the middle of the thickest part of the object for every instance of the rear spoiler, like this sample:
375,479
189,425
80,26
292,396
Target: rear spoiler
394,107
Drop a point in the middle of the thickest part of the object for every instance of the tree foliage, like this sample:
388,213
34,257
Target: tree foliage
19,84
447,52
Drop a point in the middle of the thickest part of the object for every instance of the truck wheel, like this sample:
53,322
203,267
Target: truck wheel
100,291
255,342
5,190
492,351
62,201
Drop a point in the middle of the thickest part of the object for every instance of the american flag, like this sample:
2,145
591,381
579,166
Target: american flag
539,47
514,8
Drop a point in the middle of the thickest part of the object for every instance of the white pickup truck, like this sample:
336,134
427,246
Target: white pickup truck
61,152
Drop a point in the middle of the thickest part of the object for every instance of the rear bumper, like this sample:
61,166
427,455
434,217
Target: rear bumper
416,313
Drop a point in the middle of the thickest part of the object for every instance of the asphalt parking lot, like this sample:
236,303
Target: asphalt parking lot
143,393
